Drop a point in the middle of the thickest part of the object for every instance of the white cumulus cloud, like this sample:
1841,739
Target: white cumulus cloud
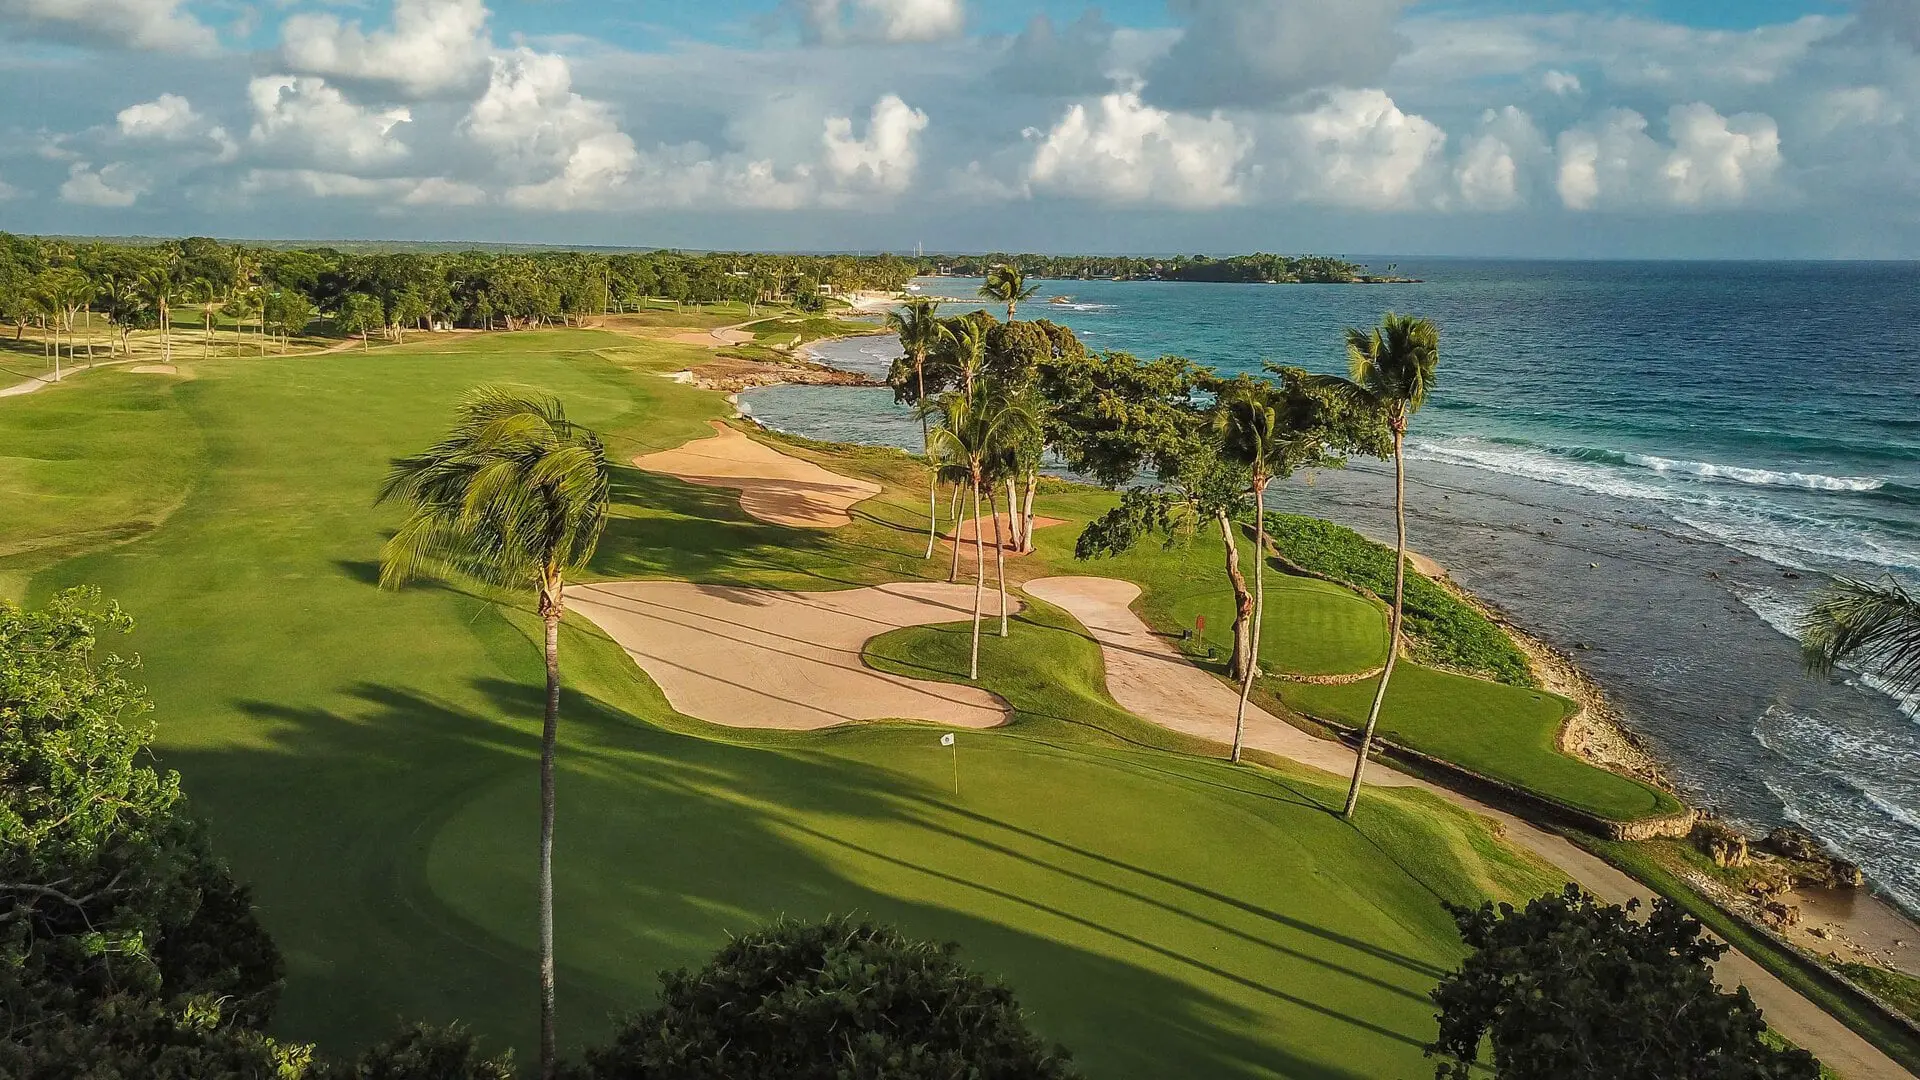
837,21
431,46
1560,83
114,186
160,25
561,150
1123,150
1496,161
169,117
1712,160
303,117
1358,149
885,160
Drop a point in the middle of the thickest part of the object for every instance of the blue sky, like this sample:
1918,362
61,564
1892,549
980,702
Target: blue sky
1560,128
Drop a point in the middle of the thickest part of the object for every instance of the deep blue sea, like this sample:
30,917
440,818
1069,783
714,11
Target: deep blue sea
1651,465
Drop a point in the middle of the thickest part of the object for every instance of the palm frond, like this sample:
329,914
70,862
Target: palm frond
1873,627
513,495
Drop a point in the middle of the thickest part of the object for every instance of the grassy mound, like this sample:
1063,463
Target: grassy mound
1444,631
367,758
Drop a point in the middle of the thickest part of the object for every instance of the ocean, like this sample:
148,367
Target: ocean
1653,466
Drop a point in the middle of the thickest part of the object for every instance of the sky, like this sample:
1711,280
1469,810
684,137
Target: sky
1507,128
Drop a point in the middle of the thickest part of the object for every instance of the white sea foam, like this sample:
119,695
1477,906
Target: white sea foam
1707,470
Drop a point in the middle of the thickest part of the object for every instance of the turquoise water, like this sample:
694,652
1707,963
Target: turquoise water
1651,465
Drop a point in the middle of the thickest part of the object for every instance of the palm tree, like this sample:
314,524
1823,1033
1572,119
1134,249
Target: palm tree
1872,626
970,354
921,331
205,294
515,497
1392,368
1009,286
976,428
159,284
1249,427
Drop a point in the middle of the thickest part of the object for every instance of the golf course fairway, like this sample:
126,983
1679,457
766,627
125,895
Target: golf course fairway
366,757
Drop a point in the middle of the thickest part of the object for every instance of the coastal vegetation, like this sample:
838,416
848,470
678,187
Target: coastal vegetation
1871,625
1253,269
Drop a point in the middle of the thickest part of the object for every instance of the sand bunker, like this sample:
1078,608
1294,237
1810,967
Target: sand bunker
773,659
154,369
1150,679
986,530
773,487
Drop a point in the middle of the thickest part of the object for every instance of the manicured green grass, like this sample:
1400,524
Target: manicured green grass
366,757
1896,988
1505,732
1310,627
1444,630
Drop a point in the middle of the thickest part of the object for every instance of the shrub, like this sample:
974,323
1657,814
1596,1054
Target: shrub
424,1052
835,1000
1572,989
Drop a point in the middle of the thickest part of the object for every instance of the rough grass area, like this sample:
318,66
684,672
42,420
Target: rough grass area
367,758
1444,631
1896,988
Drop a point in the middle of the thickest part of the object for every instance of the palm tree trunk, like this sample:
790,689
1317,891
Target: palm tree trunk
953,569
1000,562
979,578
926,450
1259,613
1026,526
1393,634
1242,599
1013,517
549,732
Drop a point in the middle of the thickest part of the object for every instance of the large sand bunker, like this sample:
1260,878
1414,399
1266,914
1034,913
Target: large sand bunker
773,487
773,659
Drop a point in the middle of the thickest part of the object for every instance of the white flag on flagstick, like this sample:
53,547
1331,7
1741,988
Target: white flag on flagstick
947,739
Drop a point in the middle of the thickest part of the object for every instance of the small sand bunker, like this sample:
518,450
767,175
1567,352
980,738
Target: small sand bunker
987,525
771,659
773,487
154,369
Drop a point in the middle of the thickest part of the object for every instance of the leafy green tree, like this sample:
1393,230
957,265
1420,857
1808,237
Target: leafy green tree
408,307
515,496
115,918
976,429
1875,626
1006,284
921,331
423,1052
288,313
835,1000
1572,989
360,314
1392,369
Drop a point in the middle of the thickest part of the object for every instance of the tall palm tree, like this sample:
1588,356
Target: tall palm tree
204,294
159,284
1875,627
921,331
516,497
1250,427
1392,369
1009,286
976,428
970,357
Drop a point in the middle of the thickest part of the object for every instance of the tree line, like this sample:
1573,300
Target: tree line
62,286
1248,269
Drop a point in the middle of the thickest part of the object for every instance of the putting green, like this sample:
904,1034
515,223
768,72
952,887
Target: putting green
366,758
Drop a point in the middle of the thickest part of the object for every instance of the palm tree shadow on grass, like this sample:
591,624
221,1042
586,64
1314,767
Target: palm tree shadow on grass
369,828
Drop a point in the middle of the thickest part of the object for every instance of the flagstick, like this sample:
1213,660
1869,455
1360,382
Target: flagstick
956,766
